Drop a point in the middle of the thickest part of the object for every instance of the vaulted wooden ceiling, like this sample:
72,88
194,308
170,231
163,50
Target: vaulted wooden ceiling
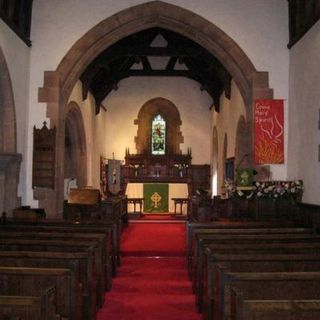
133,56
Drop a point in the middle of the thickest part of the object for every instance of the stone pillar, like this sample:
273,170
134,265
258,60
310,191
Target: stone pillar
9,178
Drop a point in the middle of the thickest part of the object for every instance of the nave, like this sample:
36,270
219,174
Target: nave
240,269
152,282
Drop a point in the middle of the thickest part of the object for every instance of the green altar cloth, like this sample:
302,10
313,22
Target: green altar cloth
156,197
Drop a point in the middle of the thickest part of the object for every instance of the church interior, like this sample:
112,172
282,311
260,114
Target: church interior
157,159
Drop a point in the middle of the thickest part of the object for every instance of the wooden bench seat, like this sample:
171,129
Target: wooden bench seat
73,227
60,260
249,309
60,235
30,307
95,285
230,225
199,233
250,263
203,240
33,281
292,285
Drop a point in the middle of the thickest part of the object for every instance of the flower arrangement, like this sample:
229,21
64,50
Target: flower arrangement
228,189
290,190
136,168
277,189
181,167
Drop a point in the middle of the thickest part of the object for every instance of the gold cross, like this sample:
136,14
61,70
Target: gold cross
156,198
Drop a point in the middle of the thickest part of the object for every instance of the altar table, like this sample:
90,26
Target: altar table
176,190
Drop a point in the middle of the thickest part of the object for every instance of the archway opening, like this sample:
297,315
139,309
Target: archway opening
252,84
9,158
170,113
75,159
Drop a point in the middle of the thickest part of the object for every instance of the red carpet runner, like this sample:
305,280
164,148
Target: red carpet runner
152,283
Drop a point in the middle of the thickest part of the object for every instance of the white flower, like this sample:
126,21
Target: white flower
240,193
250,195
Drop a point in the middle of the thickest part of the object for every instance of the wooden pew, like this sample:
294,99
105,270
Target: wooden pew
60,260
65,231
265,285
60,235
42,307
192,225
262,309
293,285
203,240
249,248
32,282
51,246
257,236
73,227
85,205
260,262
205,233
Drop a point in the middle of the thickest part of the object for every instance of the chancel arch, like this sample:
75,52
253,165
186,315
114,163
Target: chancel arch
165,109
252,84
9,158
75,160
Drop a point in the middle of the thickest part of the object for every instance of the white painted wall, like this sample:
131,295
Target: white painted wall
58,24
304,133
95,132
193,104
226,122
17,55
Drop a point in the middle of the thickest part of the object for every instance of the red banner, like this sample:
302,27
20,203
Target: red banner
268,132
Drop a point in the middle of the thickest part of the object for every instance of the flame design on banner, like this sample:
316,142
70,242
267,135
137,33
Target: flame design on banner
268,132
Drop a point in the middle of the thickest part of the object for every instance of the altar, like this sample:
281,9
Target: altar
174,190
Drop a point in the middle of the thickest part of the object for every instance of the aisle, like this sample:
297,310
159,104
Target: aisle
152,283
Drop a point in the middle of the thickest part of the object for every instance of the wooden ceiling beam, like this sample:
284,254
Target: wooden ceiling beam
171,63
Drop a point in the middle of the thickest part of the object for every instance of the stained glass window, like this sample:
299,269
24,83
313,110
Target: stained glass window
158,135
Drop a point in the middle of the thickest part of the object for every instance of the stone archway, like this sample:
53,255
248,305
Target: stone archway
58,84
9,159
242,149
75,145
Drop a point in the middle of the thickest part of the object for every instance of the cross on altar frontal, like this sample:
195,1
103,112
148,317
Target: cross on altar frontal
156,198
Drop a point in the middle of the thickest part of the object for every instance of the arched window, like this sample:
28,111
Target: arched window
158,138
